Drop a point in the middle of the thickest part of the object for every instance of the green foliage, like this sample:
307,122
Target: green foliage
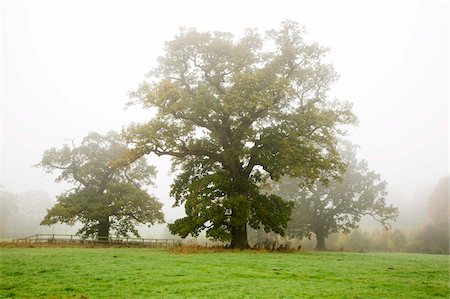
339,205
232,112
144,273
105,196
209,204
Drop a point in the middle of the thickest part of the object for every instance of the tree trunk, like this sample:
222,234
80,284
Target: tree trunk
239,238
103,229
239,188
320,236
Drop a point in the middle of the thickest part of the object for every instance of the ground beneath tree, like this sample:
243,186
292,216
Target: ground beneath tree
151,273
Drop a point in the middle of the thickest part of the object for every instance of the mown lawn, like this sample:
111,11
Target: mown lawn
151,273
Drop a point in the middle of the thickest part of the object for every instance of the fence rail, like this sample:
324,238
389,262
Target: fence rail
57,238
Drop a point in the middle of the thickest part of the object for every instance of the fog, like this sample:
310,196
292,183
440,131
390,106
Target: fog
67,68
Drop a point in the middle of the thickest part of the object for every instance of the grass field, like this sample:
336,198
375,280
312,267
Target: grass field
151,273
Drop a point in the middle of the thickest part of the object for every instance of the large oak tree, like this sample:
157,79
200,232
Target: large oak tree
233,111
105,196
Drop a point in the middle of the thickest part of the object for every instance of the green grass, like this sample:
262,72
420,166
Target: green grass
150,273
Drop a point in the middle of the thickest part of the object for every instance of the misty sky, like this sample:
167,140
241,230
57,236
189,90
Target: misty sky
67,68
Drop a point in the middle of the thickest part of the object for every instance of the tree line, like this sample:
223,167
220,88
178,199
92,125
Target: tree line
431,236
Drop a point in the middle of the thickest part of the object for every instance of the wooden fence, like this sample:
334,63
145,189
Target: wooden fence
57,238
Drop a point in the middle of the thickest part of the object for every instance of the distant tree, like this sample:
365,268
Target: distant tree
338,206
438,203
358,240
399,240
232,112
8,209
104,196
435,236
21,213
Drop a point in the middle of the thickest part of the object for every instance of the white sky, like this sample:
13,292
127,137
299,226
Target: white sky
67,67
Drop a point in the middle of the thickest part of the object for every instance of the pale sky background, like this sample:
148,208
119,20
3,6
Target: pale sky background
67,68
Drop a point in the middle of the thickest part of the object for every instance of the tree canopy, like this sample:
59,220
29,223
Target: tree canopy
105,196
338,205
232,112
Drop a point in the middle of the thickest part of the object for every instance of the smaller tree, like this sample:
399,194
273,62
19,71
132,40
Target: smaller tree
338,206
105,195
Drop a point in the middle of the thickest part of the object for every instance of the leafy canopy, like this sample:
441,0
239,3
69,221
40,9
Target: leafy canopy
104,196
234,111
